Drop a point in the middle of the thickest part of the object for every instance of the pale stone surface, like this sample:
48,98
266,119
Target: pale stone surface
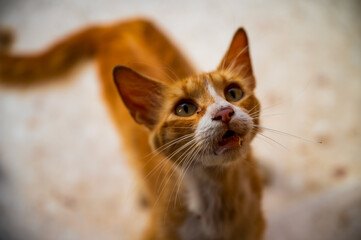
332,214
61,169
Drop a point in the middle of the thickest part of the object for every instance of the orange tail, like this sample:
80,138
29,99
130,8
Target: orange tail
34,68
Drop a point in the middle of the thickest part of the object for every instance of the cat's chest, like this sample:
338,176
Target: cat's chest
212,214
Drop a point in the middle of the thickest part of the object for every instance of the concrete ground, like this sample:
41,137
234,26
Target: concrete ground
61,176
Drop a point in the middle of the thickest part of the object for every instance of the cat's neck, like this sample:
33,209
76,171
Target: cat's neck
219,196
201,182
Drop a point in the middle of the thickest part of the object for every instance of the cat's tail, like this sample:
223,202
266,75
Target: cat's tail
35,68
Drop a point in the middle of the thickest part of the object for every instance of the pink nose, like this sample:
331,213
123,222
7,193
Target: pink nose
224,115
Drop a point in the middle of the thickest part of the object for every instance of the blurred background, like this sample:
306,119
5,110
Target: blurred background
61,172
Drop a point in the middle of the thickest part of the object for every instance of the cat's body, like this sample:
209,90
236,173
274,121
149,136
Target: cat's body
199,185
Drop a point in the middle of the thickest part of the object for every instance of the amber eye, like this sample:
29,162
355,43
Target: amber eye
233,94
185,109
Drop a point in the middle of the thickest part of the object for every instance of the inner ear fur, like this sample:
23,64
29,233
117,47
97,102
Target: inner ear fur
237,58
142,96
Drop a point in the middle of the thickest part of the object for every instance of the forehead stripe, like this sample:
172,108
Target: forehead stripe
213,93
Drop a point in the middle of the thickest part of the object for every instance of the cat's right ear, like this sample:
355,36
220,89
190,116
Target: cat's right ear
237,58
142,96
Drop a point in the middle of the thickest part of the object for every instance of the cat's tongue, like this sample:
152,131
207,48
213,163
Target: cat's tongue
228,143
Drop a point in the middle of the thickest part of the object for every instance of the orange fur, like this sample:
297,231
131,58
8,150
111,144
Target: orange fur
139,45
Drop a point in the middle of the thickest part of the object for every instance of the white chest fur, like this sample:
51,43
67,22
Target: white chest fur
213,213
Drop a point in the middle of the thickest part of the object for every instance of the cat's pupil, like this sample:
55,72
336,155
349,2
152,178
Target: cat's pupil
233,93
185,107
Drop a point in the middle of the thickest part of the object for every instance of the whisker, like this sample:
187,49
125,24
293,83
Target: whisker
249,111
269,115
161,163
186,160
183,137
302,91
192,142
179,127
288,134
266,140
274,141
169,157
171,174
263,109
167,145
191,159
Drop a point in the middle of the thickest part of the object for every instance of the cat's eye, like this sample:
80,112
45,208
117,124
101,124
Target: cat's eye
185,109
233,93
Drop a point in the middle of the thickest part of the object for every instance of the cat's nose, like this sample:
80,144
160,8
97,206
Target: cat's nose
224,115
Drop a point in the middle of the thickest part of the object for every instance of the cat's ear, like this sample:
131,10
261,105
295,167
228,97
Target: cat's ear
142,96
237,58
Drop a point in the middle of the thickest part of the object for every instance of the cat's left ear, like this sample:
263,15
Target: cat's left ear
142,96
237,58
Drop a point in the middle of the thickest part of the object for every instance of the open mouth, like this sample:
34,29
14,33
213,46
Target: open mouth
229,140
228,134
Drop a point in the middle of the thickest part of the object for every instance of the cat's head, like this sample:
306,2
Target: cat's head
207,119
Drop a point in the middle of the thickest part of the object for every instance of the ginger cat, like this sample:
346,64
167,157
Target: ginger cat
189,137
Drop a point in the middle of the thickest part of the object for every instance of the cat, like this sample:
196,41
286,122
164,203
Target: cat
188,135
